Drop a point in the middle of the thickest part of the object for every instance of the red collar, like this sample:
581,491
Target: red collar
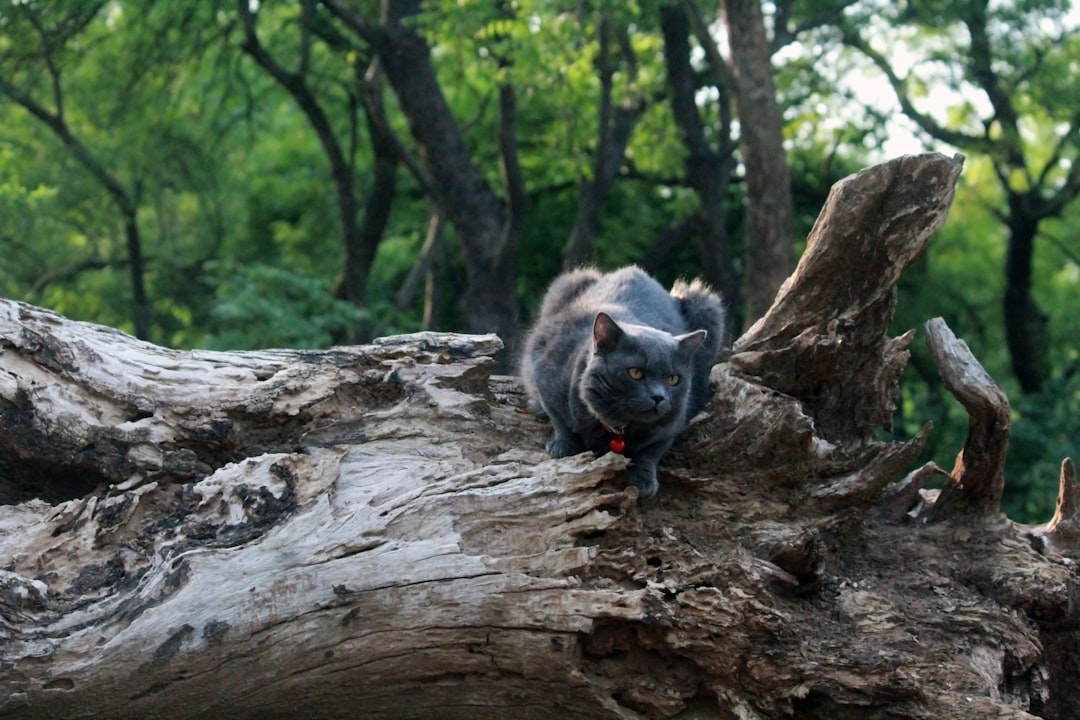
616,443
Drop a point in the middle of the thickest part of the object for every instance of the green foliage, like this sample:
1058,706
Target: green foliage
260,306
1046,429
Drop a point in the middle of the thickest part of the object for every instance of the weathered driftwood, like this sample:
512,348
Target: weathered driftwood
376,531
978,479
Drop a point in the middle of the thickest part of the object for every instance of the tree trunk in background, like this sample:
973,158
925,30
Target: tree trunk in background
359,242
140,302
1025,323
487,232
307,534
615,126
770,232
360,255
708,171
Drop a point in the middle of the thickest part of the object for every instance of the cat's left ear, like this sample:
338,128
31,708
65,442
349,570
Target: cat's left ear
606,333
690,342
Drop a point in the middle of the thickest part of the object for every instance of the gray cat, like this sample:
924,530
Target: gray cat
618,363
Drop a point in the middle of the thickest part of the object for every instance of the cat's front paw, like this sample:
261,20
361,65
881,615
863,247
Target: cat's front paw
643,477
560,447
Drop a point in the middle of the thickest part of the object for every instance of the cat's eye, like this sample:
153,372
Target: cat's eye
673,380
636,373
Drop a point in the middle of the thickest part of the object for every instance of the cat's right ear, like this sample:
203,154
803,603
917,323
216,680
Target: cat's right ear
606,333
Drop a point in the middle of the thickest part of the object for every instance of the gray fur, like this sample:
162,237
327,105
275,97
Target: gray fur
577,360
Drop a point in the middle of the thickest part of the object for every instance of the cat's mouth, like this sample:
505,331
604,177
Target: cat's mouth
650,416
637,413
658,409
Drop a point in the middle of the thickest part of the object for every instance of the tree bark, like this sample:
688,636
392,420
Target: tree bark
307,534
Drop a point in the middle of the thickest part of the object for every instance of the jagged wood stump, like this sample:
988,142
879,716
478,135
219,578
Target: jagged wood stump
376,532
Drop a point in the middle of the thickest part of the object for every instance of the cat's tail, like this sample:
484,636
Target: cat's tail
566,288
703,310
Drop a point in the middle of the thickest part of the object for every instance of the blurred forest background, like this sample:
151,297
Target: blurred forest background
298,173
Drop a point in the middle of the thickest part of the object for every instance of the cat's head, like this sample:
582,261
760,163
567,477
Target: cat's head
637,374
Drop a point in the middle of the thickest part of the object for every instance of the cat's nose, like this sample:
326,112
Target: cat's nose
658,398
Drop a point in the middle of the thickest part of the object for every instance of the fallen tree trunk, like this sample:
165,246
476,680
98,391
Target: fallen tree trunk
376,531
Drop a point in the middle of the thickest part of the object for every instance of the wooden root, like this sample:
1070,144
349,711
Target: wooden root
1060,538
978,477
840,362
